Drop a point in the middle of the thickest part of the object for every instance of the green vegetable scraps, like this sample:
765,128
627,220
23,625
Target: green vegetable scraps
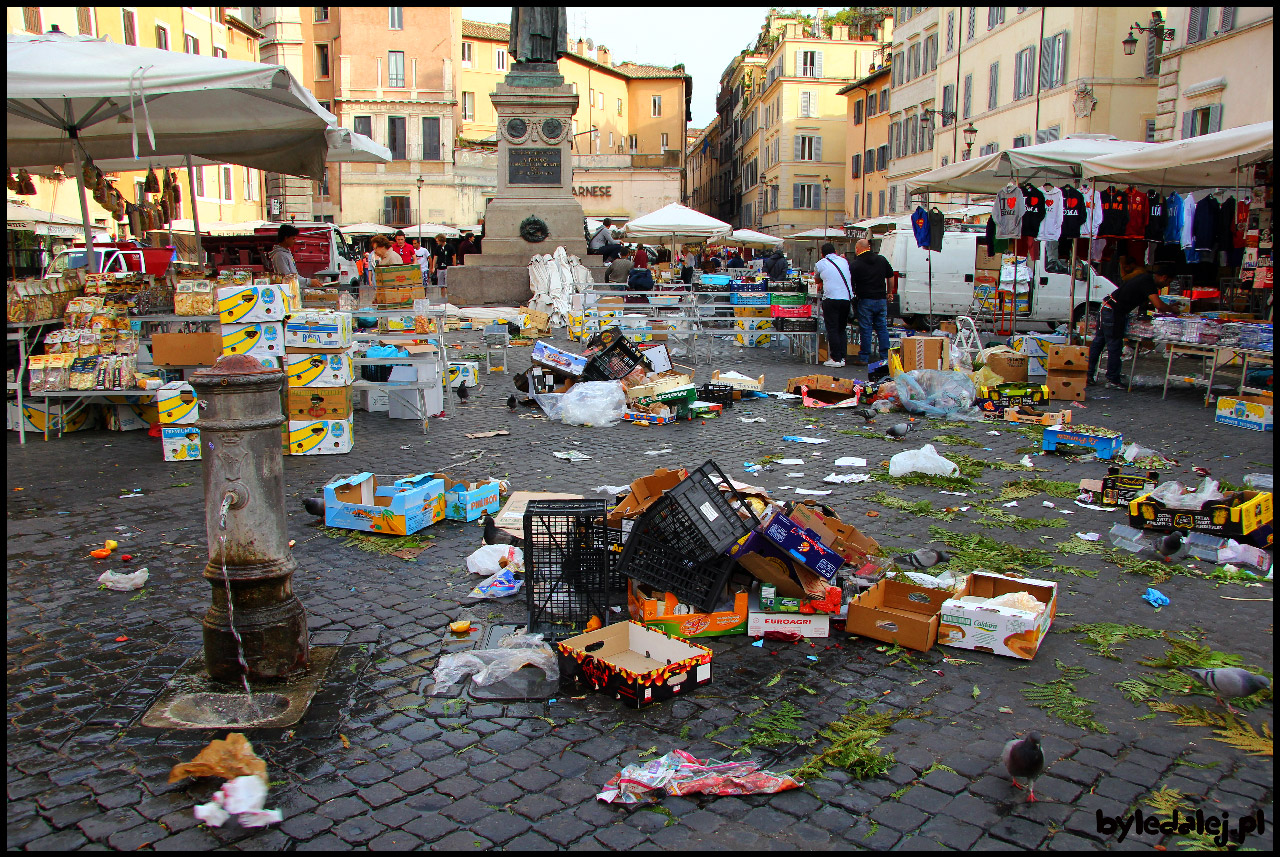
993,517
374,543
1017,489
853,746
1060,698
975,550
956,440
1104,637
920,507
779,726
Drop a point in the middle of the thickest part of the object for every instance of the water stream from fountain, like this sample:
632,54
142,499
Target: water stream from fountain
231,613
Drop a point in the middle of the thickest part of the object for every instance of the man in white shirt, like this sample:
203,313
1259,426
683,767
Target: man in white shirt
832,272
423,257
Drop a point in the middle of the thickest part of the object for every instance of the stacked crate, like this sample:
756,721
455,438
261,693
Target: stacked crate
751,312
318,366
1068,368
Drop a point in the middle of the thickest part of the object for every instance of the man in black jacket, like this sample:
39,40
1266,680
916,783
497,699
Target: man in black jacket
776,266
870,273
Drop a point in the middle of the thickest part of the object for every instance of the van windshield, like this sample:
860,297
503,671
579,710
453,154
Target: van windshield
76,259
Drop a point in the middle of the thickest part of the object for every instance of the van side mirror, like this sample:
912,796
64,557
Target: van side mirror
1044,281
968,278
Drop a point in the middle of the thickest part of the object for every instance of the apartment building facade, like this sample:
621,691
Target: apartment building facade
914,97
867,141
1217,71
226,193
701,166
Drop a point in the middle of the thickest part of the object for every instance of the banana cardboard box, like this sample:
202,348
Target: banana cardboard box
384,504
35,418
246,303
970,623
177,404
319,370
181,443
464,371
316,330
321,437
751,338
255,339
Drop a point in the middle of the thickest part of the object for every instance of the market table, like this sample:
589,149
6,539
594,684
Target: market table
18,332
1202,351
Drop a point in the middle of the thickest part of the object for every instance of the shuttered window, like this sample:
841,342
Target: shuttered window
1228,20
1053,61
1024,73
1198,24
1202,120
948,104
993,87
430,138
968,96
855,164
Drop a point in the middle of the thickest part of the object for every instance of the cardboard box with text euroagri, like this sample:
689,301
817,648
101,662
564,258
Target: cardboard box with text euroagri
816,625
999,630
925,352
644,491
896,612
657,609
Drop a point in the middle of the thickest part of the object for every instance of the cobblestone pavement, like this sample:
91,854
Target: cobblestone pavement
445,774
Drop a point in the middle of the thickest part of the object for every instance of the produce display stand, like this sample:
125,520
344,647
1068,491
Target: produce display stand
18,332
394,388
1205,352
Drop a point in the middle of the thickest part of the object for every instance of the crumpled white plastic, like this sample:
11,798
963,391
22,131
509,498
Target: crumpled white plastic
490,559
923,460
243,797
493,665
124,582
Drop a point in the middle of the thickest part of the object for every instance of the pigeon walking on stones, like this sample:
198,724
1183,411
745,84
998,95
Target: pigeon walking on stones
1024,758
1230,682
314,506
512,404
899,430
867,414
463,393
924,558
495,536
1171,546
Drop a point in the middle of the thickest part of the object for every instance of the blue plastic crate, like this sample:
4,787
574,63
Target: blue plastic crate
749,298
739,286
717,279
1105,447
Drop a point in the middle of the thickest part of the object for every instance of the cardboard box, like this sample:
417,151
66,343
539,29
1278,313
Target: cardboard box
1251,412
771,565
511,518
999,630
180,443
816,625
845,539
1117,488
186,349
397,275
1011,367
802,544
1052,418
895,612
127,413
925,352
824,388
1105,447
34,417
636,664
318,331
321,437
655,385
239,304
994,400
1067,386
656,609
738,383
319,370
467,501
750,338
398,296
318,403
256,339
384,504
1218,518
176,403
464,371
644,491
555,358
1072,358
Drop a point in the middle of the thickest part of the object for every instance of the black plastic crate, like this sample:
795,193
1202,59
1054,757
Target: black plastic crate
721,394
617,580
605,338
667,567
697,518
795,325
618,360
568,565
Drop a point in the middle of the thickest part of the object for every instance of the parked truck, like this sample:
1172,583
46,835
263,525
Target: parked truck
116,257
320,252
949,283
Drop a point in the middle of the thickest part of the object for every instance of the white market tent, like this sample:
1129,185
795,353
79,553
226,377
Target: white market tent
1211,160
429,230
820,232
751,238
24,218
120,101
677,222
885,220
1057,160
367,229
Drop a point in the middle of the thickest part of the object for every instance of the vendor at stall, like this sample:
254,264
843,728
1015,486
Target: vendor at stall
1140,288
281,255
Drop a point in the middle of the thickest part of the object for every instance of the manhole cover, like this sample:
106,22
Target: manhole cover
227,709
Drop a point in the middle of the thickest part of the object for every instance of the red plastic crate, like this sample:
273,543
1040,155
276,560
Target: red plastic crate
805,311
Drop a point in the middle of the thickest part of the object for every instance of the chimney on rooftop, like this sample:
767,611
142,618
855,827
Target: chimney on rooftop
602,55
579,48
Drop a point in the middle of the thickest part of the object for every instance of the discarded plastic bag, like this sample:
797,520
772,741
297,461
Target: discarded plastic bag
124,582
490,559
678,773
937,393
1174,495
243,797
923,460
593,403
986,377
550,403
487,666
497,585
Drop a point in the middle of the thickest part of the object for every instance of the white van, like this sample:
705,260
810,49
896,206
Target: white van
954,270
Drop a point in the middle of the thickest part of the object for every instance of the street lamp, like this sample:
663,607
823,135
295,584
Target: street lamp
421,182
1156,28
826,199
970,136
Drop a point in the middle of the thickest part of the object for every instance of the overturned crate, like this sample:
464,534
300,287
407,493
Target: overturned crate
568,565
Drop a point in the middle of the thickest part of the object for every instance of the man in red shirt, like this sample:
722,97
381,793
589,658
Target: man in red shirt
642,257
404,248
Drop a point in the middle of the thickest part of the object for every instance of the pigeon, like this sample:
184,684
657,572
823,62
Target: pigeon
866,413
1231,682
898,431
495,536
463,393
1171,546
924,558
1024,758
314,506
512,403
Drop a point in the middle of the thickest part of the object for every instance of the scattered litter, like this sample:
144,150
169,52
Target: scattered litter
678,773
124,582
1096,508
812,657
1011,503
228,759
923,460
850,461
813,493
785,487
1066,511
490,559
851,477
1026,461
612,490
486,666
759,644
994,433
658,451
1078,405
752,468
796,439
498,585
1088,537
1156,598
572,455
1047,504
243,797
750,419
482,434
791,461
955,493
784,395
794,475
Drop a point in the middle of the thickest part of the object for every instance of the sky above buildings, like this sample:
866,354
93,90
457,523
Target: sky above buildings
704,38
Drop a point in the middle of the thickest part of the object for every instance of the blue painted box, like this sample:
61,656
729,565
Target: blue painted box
1105,447
803,544
467,501
399,506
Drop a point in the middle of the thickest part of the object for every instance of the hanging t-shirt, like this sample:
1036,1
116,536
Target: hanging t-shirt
1204,228
1051,226
1226,225
1188,218
1172,219
990,238
920,226
1241,225
1033,199
1093,203
1074,214
1115,219
1155,216
1136,211
1008,211
936,228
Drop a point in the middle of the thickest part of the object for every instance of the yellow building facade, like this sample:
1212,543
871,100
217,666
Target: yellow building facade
224,193
867,141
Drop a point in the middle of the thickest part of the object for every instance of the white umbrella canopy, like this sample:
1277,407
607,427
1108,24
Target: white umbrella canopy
24,218
368,229
751,238
821,232
677,222
429,230
1211,160
1057,160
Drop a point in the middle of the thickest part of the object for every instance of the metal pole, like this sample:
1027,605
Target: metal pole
195,214
1071,310
1088,273
76,152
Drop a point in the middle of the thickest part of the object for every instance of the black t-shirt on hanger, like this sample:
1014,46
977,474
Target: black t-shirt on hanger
1033,197
1155,216
1114,216
1074,214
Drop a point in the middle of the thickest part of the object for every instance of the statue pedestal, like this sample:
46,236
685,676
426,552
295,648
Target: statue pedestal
534,211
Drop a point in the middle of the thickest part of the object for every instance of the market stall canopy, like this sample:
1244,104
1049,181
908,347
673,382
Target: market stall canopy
751,238
129,102
1211,160
677,221
1057,160
428,230
367,229
24,218
886,220
821,232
